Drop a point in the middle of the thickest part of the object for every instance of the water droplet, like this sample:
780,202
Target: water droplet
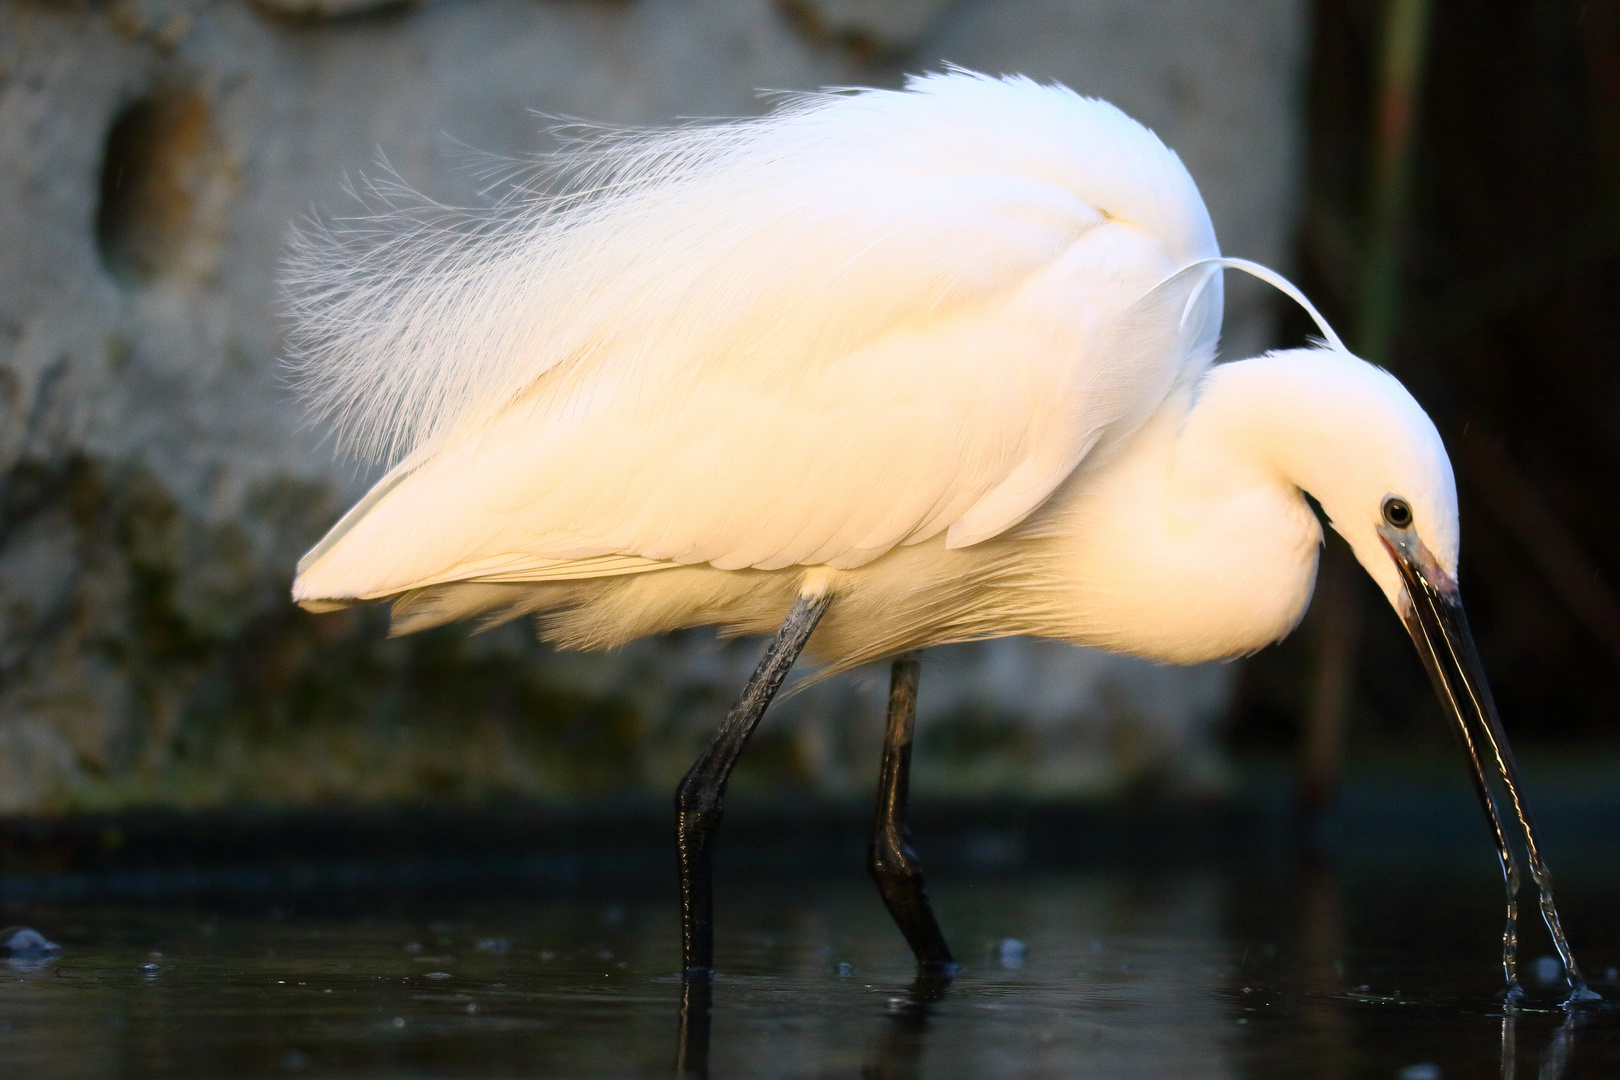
438,975
493,945
294,1060
22,941
1423,1070
1548,969
1010,953
26,950
399,1021
845,970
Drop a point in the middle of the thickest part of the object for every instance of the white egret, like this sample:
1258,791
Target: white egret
896,367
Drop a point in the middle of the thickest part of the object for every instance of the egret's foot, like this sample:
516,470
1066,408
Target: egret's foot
1512,993
1581,994
932,983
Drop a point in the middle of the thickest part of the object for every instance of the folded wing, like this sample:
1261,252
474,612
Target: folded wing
921,324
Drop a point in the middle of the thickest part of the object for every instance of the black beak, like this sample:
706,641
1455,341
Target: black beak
1433,613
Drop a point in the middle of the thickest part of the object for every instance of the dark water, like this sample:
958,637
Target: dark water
1286,972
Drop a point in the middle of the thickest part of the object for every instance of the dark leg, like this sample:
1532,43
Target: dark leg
895,866
700,799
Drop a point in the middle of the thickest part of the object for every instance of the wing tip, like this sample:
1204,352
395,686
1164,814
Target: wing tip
322,607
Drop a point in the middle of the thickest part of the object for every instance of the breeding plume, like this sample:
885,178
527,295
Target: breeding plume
878,371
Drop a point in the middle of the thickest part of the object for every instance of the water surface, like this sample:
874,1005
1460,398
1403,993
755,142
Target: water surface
1156,973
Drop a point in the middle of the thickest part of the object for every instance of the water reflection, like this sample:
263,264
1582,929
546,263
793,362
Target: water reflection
693,1033
1113,974
1321,954
1556,1059
1560,1047
899,1052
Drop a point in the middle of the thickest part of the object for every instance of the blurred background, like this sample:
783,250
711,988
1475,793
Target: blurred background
1444,178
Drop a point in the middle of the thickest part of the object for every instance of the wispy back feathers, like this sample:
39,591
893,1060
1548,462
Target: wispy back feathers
416,321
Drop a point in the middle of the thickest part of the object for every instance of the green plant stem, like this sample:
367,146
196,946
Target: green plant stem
1402,51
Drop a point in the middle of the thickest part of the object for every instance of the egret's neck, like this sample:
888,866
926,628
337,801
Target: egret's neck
1251,444
1268,421
1195,542
1308,420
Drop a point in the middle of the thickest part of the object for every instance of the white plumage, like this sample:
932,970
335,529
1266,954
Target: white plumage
923,365
914,366
927,348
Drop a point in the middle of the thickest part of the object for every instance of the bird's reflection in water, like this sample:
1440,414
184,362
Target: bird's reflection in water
895,1057
692,1039
898,1052
1320,945
1554,1060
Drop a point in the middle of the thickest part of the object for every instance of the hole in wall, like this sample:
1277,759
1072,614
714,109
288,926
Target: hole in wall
166,184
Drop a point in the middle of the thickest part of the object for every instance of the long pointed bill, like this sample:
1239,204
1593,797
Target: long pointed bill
1433,614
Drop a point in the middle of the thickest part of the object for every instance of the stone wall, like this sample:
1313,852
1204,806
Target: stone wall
156,484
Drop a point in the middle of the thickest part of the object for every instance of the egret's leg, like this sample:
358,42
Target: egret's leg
700,799
895,866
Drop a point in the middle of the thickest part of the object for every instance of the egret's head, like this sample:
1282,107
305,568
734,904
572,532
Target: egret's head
1350,436
1382,475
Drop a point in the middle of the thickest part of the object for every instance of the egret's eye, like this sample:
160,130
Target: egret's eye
1398,512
